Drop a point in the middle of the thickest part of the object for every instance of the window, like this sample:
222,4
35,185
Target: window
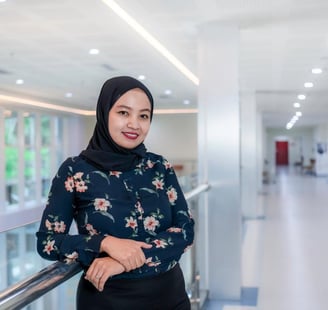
30,190
45,154
11,158
31,155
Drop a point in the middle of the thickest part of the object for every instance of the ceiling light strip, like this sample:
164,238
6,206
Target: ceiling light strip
44,105
151,40
56,107
175,111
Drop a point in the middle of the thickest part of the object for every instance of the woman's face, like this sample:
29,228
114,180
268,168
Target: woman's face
129,119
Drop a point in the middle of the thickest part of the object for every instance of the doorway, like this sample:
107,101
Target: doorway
281,153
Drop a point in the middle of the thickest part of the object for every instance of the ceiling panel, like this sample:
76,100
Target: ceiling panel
47,42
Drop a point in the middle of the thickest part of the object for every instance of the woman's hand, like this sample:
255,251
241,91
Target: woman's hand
127,252
101,269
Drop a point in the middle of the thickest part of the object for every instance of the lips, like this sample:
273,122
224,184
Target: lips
131,135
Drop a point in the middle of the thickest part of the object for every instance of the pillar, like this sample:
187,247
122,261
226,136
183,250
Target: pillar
249,185
219,159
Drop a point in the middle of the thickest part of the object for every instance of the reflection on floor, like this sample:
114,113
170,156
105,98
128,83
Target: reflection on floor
285,251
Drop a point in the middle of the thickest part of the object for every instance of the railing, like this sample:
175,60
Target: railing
25,292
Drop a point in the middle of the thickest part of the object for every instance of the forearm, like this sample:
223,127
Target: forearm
64,247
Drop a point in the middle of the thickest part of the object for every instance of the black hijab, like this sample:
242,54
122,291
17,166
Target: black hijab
102,152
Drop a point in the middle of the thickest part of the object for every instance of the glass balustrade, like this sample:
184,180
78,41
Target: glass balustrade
20,260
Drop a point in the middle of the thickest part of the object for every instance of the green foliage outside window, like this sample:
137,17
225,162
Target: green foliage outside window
11,156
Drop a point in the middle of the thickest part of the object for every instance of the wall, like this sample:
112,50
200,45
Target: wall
172,135
321,152
175,137
79,130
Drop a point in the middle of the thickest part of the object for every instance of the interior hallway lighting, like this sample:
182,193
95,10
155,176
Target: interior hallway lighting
316,70
308,85
175,111
93,51
151,40
56,107
19,82
44,105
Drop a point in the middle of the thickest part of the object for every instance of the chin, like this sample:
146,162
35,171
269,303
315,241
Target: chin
130,146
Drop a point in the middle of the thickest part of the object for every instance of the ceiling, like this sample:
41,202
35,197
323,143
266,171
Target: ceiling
46,43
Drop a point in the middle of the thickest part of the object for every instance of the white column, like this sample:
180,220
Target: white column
21,160
248,119
260,146
219,159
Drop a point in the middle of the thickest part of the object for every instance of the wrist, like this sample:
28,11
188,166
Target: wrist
104,244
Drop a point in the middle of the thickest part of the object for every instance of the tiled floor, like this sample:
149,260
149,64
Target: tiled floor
285,254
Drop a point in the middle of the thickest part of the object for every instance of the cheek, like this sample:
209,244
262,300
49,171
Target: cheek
145,129
113,124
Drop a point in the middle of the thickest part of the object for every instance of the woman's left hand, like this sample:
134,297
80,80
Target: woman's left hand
101,269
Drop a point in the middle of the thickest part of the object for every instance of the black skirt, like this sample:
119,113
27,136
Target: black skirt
162,292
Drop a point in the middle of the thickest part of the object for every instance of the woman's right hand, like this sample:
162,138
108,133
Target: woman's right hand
101,269
127,252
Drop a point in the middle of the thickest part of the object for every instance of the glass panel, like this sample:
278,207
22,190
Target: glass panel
58,138
45,130
29,158
20,259
45,154
11,158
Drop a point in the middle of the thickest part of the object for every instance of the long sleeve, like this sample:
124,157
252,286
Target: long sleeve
171,243
53,239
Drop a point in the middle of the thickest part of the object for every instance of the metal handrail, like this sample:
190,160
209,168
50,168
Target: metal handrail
196,191
28,290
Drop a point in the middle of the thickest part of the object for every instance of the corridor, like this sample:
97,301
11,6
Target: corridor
285,250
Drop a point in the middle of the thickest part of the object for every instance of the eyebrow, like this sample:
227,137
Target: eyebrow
129,108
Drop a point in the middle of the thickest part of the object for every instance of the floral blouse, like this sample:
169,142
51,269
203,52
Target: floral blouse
144,204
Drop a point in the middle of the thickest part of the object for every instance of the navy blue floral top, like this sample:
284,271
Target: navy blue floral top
144,204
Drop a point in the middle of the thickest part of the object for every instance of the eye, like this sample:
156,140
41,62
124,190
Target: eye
144,116
123,113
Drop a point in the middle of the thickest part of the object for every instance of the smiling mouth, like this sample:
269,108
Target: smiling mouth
131,135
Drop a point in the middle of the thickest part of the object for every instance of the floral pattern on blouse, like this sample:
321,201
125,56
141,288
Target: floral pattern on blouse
144,204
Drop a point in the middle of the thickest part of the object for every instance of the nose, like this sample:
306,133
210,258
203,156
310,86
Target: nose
133,123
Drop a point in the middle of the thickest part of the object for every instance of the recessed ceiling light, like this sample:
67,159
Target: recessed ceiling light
168,92
289,126
93,51
316,70
141,77
2,1
19,82
297,105
308,84
298,113
68,95
186,101
301,97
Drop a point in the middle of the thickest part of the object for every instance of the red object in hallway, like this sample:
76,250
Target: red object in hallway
281,153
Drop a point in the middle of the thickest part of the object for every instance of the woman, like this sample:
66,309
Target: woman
131,215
